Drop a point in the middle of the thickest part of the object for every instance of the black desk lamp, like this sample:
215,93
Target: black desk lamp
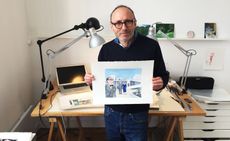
188,53
90,28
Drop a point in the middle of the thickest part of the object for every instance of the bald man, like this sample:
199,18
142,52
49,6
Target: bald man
130,122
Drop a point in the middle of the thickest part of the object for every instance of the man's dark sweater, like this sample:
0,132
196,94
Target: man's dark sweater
142,48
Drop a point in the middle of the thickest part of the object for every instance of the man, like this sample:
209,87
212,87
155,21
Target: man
119,86
110,88
130,122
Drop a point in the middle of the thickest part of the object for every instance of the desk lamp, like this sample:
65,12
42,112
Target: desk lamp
152,31
188,53
90,28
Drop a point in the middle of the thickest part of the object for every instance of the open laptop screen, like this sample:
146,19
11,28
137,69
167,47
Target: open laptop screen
70,75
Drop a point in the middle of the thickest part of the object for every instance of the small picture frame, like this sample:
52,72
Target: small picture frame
167,28
210,30
143,29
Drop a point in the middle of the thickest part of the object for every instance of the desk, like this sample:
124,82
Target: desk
167,107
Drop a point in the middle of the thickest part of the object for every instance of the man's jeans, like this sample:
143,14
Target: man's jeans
125,126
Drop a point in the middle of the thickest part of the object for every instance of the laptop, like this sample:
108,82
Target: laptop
70,79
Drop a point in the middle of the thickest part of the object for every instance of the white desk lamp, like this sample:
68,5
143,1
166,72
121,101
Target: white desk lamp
90,28
188,53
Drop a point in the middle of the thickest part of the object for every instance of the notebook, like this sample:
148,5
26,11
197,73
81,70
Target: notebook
70,79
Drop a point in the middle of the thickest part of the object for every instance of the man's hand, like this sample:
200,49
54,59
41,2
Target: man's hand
89,78
157,83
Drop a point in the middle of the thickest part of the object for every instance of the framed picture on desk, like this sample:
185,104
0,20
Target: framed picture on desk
128,82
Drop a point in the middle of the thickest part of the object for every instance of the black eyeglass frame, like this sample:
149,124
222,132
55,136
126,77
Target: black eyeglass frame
127,23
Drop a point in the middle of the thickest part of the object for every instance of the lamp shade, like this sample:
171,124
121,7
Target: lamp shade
95,39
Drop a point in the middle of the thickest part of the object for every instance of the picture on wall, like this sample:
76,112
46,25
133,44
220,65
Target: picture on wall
167,28
209,30
143,29
123,82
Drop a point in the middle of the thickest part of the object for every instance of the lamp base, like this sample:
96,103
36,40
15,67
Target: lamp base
183,91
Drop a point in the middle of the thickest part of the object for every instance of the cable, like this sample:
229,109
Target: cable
40,108
63,123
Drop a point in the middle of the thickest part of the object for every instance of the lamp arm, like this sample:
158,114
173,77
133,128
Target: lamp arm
40,42
51,54
185,73
188,53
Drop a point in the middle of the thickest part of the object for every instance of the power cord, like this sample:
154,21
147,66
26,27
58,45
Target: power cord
41,106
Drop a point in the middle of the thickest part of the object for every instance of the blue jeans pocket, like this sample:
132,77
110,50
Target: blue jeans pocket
139,117
108,111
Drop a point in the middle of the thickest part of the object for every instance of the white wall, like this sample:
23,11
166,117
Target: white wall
15,59
47,18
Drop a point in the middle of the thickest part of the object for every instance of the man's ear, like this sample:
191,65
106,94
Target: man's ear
111,26
135,23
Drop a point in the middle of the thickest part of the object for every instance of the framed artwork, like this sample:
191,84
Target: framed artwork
143,29
214,59
209,30
128,82
167,28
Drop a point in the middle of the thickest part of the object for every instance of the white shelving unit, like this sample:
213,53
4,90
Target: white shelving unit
214,126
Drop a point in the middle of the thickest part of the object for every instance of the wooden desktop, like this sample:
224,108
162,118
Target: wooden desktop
168,107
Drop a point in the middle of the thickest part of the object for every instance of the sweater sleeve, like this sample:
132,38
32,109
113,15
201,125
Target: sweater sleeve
159,67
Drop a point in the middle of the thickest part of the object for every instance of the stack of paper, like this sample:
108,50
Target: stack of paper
16,136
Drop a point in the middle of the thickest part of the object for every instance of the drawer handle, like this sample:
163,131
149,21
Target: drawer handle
213,103
210,116
208,130
211,109
209,122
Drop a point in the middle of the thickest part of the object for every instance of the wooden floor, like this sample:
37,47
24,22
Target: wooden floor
90,134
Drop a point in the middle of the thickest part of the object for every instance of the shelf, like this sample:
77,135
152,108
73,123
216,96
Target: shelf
108,36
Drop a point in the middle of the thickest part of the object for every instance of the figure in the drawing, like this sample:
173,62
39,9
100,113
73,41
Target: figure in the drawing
124,87
211,58
119,86
110,89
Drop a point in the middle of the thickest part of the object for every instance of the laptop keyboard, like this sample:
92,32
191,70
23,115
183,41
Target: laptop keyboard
74,86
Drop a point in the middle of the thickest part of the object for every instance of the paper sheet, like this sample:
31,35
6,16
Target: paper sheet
128,82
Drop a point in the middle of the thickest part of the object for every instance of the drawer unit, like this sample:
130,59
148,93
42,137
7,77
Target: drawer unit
207,125
207,134
207,118
215,125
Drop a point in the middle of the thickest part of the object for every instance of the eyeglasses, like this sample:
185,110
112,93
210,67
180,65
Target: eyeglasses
127,23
